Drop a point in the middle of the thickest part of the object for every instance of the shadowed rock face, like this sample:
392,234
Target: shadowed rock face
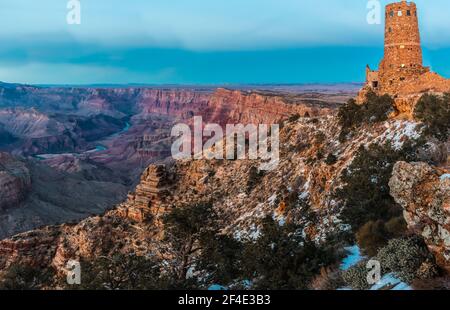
424,193
33,195
15,181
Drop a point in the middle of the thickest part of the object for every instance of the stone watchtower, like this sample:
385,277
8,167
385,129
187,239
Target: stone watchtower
146,203
402,49
401,73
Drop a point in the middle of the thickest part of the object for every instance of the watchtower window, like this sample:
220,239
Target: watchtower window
391,13
390,29
408,12
374,84
400,13
402,79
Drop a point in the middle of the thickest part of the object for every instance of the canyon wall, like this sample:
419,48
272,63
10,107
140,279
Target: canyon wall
15,181
229,106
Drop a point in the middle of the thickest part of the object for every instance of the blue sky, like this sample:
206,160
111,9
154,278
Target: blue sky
203,41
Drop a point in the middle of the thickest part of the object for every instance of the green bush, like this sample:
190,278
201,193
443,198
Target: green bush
188,231
396,226
377,108
356,276
220,259
403,257
374,109
319,154
294,118
197,245
329,279
350,114
119,272
25,277
319,138
434,112
407,258
371,236
331,159
365,193
281,259
375,234
254,177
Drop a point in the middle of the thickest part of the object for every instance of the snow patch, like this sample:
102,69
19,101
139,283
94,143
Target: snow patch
305,190
352,258
398,133
272,199
391,280
253,233
279,218
217,287
445,176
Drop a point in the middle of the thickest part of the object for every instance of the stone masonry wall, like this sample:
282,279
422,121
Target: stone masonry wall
401,73
402,50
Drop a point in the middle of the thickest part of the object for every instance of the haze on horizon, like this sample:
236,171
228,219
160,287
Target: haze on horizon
203,42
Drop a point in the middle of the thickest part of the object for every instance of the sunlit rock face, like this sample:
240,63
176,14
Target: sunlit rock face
424,193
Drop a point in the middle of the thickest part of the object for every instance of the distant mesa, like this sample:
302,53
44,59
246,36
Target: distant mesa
401,73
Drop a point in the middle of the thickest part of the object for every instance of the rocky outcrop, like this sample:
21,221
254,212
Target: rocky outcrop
410,92
408,95
147,200
15,181
54,246
33,248
424,193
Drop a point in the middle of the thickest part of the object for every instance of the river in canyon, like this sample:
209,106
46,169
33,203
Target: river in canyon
98,148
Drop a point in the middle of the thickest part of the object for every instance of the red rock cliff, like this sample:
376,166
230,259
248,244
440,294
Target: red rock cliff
228,106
